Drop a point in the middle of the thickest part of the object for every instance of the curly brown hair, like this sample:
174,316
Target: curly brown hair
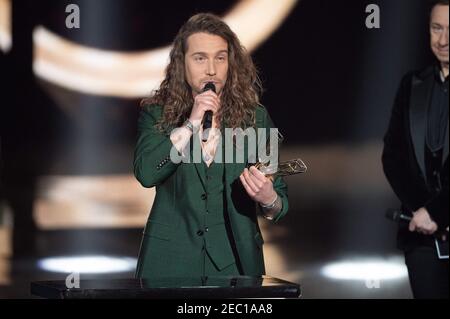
242,89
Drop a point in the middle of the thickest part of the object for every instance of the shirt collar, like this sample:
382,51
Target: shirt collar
439,75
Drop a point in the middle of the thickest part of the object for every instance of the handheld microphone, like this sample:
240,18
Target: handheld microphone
207,117
397,216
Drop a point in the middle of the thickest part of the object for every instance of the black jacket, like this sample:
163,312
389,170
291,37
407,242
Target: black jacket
404,155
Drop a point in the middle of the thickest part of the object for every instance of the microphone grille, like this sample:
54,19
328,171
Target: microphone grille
209,86
393,214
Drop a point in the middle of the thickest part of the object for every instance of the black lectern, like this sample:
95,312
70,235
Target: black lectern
176,288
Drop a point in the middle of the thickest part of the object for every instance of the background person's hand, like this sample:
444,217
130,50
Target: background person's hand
422,222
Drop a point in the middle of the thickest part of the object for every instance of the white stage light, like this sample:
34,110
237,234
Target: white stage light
135,74
366,269
88,264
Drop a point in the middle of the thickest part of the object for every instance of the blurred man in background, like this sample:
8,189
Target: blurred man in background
415,161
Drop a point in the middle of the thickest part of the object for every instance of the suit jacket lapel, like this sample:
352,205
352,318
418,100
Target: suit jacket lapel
445,154
420,97
197,160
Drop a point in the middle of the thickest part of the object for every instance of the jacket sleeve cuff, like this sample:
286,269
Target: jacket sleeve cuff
436,212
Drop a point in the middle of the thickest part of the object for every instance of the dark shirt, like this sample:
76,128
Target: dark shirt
436,131
437,113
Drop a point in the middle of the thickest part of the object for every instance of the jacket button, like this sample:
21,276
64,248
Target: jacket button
206,229
200,233
204,196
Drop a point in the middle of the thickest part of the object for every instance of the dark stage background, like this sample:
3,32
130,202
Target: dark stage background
329,86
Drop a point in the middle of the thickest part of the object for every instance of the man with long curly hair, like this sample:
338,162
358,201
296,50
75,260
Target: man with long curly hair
204,217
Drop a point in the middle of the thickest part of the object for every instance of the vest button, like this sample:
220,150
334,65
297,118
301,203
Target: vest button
204,196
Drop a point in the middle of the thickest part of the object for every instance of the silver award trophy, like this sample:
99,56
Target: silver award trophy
285,168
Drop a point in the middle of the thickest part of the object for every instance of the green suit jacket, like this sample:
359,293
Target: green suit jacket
171,236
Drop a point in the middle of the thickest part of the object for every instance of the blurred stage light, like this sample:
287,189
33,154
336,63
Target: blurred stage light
101,201
88,264
131,75
366,269
5,26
